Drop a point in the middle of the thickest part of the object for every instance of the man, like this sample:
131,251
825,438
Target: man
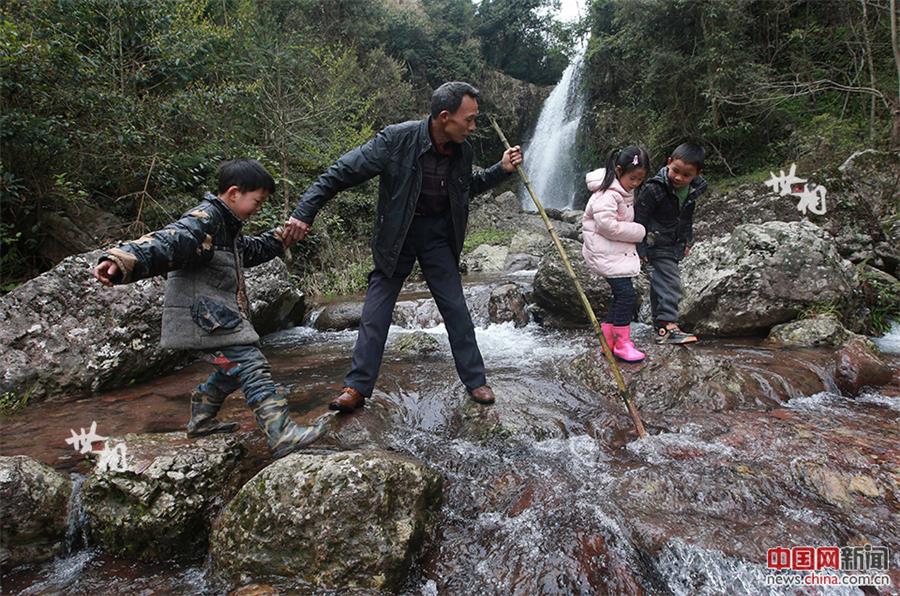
423,206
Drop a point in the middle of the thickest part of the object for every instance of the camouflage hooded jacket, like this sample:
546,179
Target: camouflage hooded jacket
203,255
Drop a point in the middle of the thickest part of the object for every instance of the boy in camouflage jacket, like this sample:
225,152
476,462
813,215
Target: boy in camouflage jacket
206,306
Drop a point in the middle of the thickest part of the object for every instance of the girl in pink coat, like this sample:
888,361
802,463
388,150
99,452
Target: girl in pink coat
610,239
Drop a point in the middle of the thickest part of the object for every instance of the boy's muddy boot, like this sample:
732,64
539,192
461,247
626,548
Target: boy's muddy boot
204,408
283,434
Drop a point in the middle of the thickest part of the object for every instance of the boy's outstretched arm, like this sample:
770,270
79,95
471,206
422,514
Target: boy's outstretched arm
185,242
264,247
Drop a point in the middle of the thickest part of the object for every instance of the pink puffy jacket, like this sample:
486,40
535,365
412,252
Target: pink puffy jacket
608,228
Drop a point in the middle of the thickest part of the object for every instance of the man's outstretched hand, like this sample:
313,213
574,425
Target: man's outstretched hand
512,158
294,231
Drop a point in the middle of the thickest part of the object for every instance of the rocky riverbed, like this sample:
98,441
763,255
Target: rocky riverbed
780,428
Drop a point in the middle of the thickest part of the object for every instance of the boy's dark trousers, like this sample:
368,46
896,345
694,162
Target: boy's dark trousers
665,283
427,240
243,367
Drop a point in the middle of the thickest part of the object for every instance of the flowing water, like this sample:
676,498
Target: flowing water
550,159
548,491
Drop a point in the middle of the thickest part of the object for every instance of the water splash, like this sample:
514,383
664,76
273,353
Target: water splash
890,342
76,537
549,161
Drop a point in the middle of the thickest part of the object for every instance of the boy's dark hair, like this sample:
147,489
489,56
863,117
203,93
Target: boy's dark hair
449,95
628,159
691,154
247,174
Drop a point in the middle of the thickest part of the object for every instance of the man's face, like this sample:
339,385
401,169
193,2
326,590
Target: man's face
681,174
245,204
461,123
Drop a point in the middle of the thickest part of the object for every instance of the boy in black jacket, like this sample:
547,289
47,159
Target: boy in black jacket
665,207
206,308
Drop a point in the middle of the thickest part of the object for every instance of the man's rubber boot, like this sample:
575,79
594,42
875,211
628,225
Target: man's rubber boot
204,408
607,329
625,349
283,434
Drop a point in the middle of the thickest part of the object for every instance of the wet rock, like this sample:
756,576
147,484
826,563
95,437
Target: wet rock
63,333
822,330
416,343
33,511
486,258
554,290
347,520
704,376
275,303
712,506
858,365
508,304
762,275
160,505
340,316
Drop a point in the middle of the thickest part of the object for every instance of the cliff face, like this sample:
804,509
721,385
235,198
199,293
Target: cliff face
514,103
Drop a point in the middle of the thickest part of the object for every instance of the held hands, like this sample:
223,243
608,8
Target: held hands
106,272
512,158
294,230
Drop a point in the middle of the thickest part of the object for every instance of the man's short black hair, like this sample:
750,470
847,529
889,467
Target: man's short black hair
691,154
247,174
449,95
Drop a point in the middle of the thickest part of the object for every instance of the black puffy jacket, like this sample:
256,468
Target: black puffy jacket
669,227
395,155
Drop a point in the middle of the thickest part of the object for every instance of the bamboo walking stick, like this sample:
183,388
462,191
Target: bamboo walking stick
623,391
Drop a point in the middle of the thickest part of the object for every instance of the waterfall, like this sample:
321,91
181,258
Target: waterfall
549,159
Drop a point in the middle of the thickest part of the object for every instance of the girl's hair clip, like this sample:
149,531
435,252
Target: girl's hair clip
636,159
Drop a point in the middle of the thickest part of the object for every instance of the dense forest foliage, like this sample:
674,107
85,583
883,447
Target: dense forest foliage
127,106
758,82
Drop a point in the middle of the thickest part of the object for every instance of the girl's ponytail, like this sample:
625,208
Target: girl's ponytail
610,170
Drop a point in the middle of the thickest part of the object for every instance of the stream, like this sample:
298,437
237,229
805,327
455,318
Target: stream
548,491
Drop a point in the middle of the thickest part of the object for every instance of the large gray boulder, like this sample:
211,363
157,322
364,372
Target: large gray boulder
861,203
822,330
34,510
62,333
161,504
555,294
339,316
347,520
762,275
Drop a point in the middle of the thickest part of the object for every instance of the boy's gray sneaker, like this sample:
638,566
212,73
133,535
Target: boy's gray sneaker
671,334
204,408
284,436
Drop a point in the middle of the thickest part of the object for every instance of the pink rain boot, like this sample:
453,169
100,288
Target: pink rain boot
624,347
607,329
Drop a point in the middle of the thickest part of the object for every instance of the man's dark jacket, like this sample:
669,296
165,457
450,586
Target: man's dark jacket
669,227
395,154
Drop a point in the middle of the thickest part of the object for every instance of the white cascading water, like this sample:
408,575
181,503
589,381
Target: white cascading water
549,155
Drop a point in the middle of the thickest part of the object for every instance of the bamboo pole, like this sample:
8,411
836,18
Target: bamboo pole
620,382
